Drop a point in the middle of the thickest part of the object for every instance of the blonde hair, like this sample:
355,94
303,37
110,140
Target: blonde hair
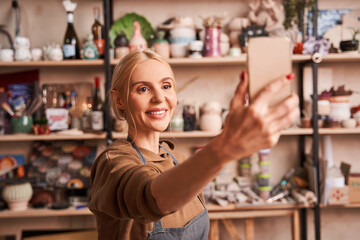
122,75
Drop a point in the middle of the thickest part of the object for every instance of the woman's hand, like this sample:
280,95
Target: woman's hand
248,129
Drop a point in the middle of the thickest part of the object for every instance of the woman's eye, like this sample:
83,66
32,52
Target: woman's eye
167,86
142,89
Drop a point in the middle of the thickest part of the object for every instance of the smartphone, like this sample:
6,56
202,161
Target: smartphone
268,58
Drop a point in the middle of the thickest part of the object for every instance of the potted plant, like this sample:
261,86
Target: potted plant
351,45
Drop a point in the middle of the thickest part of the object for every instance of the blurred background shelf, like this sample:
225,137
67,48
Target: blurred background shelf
52,136
67,63
206,61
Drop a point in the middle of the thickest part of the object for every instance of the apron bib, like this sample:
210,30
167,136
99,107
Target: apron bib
197,229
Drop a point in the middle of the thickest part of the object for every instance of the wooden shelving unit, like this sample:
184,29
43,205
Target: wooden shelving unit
342,57
32,212
64,63
169,135
52,136
45,212
206,61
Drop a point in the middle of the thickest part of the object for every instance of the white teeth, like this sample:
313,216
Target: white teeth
157,113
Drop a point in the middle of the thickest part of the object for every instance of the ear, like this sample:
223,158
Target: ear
117,100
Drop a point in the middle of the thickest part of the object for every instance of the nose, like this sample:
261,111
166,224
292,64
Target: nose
158,96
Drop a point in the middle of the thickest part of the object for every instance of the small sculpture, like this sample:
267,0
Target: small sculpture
271,15
268,13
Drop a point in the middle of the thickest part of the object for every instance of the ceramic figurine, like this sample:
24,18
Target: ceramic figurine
267,13
56,53
22,49
121,46
161,46
211,119
137,42
90,50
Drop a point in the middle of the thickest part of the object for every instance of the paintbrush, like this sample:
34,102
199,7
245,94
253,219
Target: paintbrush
8,109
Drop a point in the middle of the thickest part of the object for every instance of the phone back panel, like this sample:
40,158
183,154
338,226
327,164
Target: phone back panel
268,58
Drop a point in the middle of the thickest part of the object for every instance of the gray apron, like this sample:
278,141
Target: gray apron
197,229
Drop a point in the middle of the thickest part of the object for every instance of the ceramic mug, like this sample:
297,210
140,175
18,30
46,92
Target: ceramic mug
21,124
6,55
36,54
22,54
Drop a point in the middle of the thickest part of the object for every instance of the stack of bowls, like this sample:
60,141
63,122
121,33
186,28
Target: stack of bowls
180,37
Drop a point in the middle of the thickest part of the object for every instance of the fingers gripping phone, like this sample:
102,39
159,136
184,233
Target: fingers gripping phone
268,58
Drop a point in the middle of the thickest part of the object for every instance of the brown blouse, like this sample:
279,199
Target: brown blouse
121,198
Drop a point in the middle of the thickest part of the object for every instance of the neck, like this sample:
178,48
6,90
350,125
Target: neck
148,141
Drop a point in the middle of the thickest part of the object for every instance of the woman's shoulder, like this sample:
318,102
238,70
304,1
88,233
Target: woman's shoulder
119,149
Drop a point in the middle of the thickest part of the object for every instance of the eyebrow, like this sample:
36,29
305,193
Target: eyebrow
147,83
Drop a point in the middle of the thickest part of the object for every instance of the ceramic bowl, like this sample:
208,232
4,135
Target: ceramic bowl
350,45
6,55
349,123
178,50
224,48
183,32
196,46
340,110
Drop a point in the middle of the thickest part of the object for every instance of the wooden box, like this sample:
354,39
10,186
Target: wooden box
338,195
354,189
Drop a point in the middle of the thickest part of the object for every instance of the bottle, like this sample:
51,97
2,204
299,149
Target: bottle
137,41
86,117
2,113
98,32
71,46
97,120
90,49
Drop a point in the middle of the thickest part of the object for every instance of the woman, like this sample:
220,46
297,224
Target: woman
145,190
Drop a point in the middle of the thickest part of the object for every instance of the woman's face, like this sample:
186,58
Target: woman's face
152,96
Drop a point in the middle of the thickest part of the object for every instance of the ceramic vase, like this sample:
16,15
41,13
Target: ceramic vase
212,42
17,195
210,122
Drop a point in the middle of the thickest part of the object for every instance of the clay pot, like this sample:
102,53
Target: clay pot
17,195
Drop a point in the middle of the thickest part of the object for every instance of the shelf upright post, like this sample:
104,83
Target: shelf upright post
303,211
316,163
107,67
315,148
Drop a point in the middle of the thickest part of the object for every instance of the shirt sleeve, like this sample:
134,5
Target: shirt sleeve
121,188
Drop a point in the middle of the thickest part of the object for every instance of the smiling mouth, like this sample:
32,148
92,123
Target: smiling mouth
157,112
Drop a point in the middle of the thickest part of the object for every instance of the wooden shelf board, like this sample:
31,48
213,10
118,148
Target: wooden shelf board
208,134
342,57
192,134
296,131
67,63
220,61
32,212
52,136
349,205
339,130
206,61
249,207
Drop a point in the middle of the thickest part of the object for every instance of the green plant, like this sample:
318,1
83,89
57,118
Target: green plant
125,25
294,9
355,32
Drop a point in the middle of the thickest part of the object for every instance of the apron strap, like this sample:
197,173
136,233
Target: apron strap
141,157
157,225
172,156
